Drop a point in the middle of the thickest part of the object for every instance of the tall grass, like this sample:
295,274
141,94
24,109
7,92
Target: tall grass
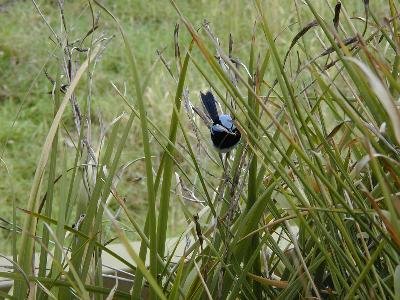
306,206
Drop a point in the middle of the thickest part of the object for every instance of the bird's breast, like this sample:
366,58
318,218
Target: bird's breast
224,141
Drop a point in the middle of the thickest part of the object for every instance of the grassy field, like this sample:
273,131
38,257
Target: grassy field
307,204
26,51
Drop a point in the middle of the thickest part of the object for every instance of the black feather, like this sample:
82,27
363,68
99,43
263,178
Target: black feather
211,106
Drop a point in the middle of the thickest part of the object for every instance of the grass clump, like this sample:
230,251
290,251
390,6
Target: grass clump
305,207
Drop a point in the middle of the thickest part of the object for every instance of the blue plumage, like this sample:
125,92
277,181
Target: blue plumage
224,134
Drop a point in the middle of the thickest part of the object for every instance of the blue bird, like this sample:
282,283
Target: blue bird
224,134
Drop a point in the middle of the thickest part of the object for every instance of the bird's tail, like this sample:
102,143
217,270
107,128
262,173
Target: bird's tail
210,105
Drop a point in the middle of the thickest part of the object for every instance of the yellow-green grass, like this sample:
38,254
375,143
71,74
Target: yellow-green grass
26,50
26,107
306,163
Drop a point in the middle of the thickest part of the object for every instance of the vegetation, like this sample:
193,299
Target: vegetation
306,206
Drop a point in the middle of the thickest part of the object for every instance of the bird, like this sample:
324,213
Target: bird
224,134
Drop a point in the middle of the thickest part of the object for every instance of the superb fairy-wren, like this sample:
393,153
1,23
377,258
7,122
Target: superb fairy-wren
224,134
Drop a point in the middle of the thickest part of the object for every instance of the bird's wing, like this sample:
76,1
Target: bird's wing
210,105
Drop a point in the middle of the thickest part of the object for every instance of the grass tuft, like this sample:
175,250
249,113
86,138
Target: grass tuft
306,206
